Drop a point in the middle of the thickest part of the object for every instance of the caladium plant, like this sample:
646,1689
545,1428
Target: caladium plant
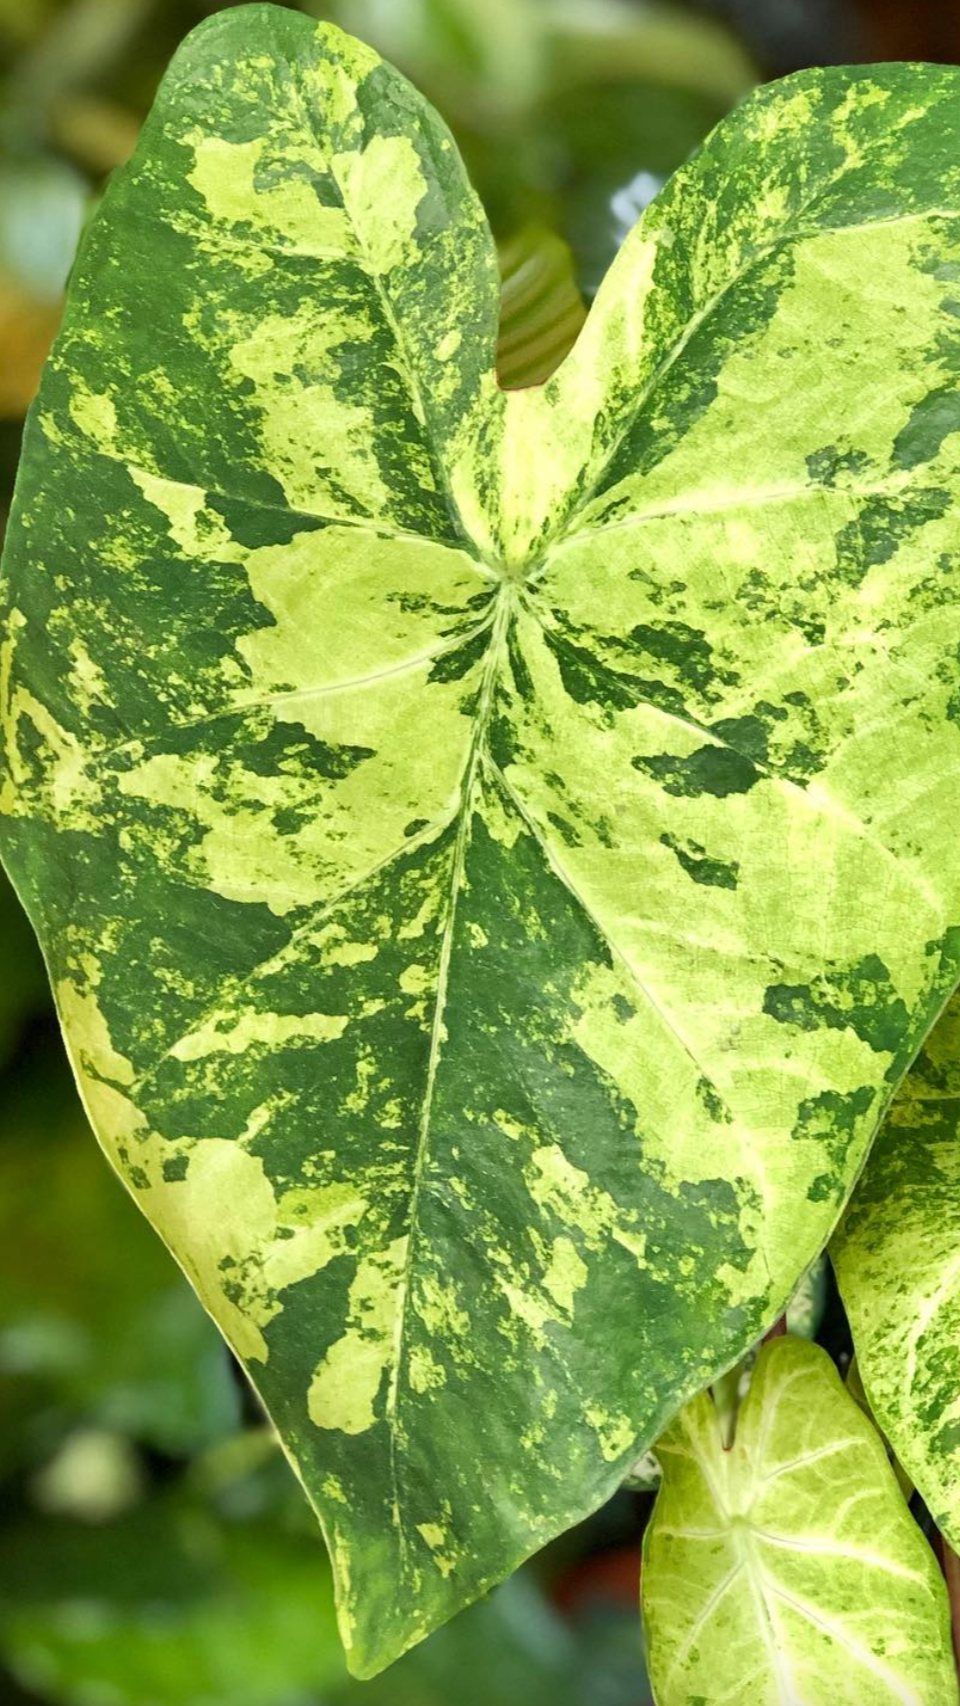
493,849
788,1568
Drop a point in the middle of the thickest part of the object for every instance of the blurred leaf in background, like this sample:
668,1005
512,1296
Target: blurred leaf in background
216,1595
169,1604
541,308
42,202
49,54
97,1326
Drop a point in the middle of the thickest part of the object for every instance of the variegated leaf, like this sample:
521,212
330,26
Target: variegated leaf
897,1259
489,848
788,1571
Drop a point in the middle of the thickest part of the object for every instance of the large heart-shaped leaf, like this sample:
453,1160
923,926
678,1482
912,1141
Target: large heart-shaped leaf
493,852
789,1570
897,1258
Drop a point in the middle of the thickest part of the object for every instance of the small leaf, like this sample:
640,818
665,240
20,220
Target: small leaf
789,1568
897,1260
487,904
541,309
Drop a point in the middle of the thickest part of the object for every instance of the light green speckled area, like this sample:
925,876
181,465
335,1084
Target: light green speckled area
489,847
788,1571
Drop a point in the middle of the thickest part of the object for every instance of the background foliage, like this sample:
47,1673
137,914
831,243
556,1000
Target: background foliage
154,1548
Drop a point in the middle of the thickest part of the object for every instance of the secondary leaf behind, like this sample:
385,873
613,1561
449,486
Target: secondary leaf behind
897,1258
789,1568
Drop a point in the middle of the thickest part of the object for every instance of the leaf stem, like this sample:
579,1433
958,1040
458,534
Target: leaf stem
726,1398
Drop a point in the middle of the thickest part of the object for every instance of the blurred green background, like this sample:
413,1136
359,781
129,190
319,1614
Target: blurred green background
154,1550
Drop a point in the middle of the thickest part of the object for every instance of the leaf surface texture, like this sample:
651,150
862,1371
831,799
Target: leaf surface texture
489,848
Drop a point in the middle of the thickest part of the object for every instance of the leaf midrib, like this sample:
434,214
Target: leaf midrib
503,613
584,907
